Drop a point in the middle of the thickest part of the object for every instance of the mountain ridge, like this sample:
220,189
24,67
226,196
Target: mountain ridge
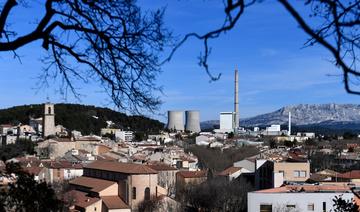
304,114
80,117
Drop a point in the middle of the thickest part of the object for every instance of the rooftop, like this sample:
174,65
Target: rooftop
94,184
161,167
81,199
114,202
353,174
192,174
229,171
307,189
127,168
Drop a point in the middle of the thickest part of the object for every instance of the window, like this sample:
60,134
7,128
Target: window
324,206
311,207
49,110
134,192
147,193
290,206
265,208
296,173
302,173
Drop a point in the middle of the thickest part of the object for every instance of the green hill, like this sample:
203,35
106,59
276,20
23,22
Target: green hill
81,118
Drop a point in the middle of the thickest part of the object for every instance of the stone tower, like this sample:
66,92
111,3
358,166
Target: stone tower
48,120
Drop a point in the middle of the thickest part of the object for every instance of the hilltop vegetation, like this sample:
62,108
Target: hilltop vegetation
84,118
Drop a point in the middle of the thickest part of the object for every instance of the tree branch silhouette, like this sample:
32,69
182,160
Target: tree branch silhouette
110,42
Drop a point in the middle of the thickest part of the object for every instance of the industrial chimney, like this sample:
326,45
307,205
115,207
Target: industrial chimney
289,129
236,100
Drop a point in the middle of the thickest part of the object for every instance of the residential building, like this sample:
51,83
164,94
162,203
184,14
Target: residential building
232,173
298,198
166,176
271,174
124,135
136,182
184,178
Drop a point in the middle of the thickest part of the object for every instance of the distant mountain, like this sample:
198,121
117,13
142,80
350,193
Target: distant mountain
84,118
306,114
331,116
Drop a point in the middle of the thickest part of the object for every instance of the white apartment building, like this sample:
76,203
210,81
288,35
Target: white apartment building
124,135
297,198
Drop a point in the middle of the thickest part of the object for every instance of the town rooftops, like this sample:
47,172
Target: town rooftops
192,174
114,202
161,167
127,168
229,171
308,189
94,184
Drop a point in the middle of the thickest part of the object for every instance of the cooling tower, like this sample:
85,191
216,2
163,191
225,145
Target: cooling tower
175,120
192,118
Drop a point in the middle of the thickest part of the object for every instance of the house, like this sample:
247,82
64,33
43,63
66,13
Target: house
57,171
271,174
54,148
351,176
248,164
136,182
166,176
184,178
233,172
298,198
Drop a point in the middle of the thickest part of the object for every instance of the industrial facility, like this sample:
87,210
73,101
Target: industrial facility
229,121
176,121
192,123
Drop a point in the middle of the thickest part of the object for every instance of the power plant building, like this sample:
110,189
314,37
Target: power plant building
227,122
175,120
192,118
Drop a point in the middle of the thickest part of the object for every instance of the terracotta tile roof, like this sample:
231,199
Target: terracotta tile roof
33,170
63,165
328,172
229,171
306,189
161,167
192,174
62,139
94,184
127,168
353,174
105,157
88,138
114,202
319,178
81,199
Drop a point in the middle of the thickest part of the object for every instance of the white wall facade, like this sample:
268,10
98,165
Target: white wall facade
227,121
301,200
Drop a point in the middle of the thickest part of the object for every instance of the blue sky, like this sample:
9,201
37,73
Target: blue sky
266,46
